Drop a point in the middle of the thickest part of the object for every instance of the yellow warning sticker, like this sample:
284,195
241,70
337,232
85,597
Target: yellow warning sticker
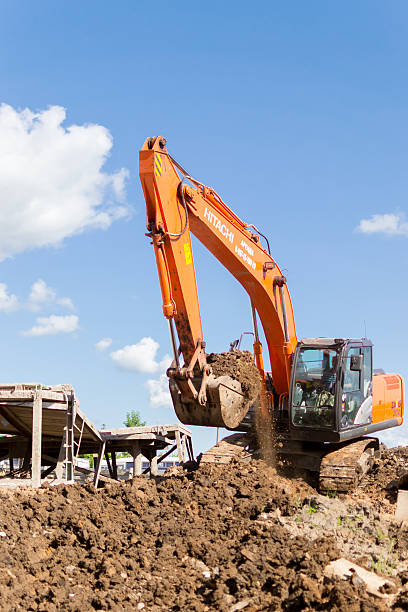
158,165
187,253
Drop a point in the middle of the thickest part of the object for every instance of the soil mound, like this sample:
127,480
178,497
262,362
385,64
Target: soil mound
210,539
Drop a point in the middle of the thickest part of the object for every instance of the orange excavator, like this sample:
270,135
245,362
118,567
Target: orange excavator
323,394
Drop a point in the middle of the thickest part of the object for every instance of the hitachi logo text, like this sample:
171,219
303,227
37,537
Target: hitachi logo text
221,227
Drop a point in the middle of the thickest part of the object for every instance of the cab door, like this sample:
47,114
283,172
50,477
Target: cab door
357,399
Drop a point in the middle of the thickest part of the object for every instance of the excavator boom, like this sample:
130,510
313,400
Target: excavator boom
178,205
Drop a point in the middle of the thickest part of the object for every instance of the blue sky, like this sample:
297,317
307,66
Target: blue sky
296,113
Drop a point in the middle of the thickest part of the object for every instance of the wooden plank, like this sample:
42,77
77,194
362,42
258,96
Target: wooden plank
36,440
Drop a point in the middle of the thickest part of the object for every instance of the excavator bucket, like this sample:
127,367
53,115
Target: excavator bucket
226,404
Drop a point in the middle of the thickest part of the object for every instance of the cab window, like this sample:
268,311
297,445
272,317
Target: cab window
351,377
313,394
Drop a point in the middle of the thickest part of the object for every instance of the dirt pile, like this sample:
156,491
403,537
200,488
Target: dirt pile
218,538
390,473
240,366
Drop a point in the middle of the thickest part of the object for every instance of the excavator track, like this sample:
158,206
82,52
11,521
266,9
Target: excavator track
236,446
342,469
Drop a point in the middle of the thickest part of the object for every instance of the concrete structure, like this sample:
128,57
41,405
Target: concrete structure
44,428
146,442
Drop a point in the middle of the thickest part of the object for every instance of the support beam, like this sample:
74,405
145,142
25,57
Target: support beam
190,449
114,466
48,471
101,453
184,446
137,460
153,466
166,454
36,441
108,463
179,447
59,470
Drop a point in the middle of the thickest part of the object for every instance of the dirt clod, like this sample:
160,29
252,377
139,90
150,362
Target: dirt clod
240,366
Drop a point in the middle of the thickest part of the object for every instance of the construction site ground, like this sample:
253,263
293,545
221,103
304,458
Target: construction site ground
220,537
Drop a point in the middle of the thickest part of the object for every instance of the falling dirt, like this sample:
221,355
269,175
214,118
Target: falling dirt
265,430
226,538
240,366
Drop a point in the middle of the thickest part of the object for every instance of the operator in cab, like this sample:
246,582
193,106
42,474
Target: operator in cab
316,375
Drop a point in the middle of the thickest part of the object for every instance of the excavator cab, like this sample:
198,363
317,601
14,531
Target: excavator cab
331,389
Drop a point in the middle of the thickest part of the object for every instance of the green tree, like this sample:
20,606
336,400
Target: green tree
133,419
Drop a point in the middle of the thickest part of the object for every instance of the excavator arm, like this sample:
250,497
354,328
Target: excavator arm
177,205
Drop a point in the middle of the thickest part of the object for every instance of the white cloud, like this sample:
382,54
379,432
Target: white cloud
138,357
141,357
66,302
51,181
50,326
41,295
159,392
8,301
389,224
103,344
